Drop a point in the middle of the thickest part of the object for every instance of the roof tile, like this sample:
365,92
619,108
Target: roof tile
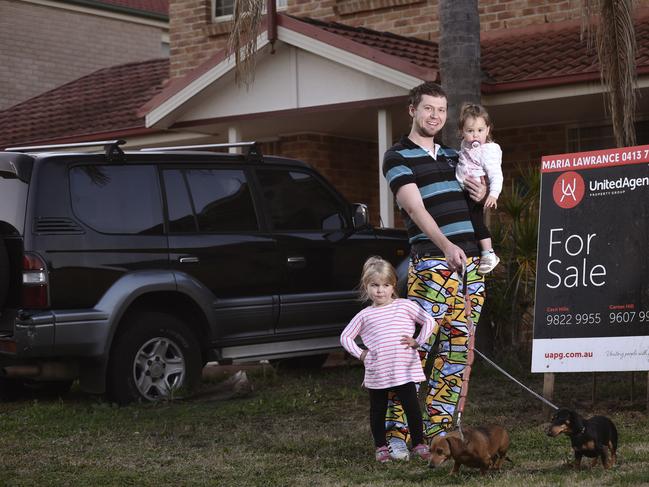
152,6
103,101
109,99
517,58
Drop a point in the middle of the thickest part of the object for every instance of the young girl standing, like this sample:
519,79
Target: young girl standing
480,156
391,359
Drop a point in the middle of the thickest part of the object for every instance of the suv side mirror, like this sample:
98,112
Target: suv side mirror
361,215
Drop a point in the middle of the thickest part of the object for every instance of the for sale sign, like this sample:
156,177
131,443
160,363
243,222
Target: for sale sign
592,284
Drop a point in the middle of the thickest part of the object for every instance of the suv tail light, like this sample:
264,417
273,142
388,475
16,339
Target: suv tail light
35,282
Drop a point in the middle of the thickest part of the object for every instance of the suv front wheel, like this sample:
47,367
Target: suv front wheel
152,359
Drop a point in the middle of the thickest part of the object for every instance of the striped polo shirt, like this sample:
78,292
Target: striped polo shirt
405,163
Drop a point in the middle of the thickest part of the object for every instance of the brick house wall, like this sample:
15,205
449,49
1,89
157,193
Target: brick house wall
44,47
526,145
194,37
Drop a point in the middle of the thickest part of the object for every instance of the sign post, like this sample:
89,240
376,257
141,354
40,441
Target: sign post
591,310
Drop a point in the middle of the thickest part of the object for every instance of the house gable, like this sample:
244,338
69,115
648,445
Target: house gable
307,67
290,78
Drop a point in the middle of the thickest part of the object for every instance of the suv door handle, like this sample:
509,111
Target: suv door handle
188,260
296,261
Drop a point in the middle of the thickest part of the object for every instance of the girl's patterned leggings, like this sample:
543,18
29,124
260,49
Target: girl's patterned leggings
441,293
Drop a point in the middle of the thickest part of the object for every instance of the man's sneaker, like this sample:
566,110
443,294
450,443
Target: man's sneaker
421,451
382,454
487,263
398,449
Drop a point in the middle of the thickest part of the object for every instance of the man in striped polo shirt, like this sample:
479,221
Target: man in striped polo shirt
421,174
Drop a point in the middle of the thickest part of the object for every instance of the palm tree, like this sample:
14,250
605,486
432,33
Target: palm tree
242,42
459,59
614,38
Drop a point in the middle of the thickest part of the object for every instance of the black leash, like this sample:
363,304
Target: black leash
507,374
467,371
469,365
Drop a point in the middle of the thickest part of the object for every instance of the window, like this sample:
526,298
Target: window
225,8
117,199
209,200
298,201
582,139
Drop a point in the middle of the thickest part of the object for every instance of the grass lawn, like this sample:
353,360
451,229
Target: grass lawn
303,428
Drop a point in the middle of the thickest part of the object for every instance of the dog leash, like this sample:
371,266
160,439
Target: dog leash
466,374
507,374
470,358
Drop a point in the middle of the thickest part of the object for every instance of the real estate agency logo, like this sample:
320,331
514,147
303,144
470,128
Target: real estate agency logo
568,190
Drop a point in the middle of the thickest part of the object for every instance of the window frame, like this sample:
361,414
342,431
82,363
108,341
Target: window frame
229,17
344,205
189,166
86,224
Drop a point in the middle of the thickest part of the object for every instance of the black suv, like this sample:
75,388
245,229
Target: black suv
130,270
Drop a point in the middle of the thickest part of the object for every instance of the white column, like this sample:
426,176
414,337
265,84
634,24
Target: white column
234,135
386,200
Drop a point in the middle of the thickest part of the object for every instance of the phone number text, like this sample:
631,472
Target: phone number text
613,318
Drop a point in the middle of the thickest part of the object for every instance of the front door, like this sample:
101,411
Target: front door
214,237
321,254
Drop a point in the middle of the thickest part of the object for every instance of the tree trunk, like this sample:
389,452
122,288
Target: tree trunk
459,59
616,51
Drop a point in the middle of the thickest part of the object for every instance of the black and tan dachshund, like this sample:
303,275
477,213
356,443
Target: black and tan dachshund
594,438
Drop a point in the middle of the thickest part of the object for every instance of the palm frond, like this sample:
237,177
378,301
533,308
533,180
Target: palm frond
616,51
243,38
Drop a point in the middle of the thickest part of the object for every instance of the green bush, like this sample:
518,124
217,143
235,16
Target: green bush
510,289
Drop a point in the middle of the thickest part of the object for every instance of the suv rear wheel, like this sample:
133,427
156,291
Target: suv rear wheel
154,357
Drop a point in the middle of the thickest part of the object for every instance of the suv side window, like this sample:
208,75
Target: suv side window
209,200
297,200
117,199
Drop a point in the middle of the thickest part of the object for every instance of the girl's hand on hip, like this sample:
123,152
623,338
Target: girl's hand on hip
409,341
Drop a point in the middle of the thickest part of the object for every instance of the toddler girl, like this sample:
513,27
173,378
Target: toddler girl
480,156
391,359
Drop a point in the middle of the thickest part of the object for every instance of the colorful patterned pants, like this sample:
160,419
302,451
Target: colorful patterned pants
441,293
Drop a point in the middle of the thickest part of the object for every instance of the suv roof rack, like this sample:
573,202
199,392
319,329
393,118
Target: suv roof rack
35,148
111,148
253,148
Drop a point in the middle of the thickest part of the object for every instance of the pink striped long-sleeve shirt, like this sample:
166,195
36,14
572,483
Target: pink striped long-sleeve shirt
388,362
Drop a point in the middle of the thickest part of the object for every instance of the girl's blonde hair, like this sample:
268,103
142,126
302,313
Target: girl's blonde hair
375,266
473,110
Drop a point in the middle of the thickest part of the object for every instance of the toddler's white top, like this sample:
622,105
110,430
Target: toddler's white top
485,159
389,363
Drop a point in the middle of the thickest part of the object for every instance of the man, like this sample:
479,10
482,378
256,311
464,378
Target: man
444,255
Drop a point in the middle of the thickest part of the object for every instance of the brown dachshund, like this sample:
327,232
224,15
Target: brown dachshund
483,447
595,438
